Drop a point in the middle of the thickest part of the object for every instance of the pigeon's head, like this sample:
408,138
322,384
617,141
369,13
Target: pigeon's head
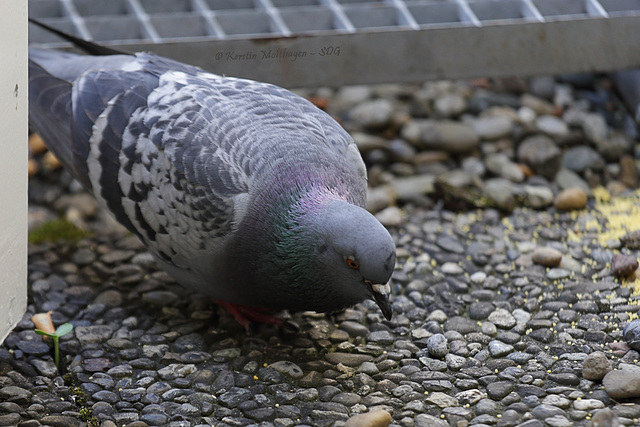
355,255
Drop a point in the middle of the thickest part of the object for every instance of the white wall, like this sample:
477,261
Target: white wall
13,163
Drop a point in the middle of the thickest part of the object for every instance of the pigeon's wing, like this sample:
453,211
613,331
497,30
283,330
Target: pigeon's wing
135,130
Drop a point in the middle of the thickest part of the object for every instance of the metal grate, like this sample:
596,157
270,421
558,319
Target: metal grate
337,42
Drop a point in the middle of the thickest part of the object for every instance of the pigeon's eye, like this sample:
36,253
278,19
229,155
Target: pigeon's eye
352,263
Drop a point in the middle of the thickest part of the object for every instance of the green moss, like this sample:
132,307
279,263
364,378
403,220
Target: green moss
81,397
85,411
57,229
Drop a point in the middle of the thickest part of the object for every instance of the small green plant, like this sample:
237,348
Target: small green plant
63,329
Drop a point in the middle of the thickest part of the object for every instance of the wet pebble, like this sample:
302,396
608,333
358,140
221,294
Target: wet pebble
621,384
570,199
624,266
596,366
546,256
370,419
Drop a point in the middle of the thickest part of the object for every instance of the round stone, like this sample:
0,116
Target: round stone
631,334
450,136
34,347
570,199
622,384
541,154
499,349
437,346
378,418
373,114
288,368
581,158
502,319
624,266
596,366
546,256
552,126
605,417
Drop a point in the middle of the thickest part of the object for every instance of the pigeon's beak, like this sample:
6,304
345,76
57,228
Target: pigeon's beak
380,295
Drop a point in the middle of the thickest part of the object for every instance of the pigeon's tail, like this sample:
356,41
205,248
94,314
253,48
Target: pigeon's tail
89,47
51,77
50,112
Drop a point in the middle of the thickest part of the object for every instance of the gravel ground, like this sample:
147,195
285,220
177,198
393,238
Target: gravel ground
512,204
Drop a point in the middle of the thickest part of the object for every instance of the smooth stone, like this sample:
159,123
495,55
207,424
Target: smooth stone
442,400
354,329
381,337
450,244
631,240
479,310
93,334
500,164
492,127
83,256
502,192
502,319
596,366
348,359
499,349
543,87
377,418
373,114
541,154
628,172
571,199
368,368
117,256
62,421
542,412
34,347
437,346
558,421
546,256
234,397
566,179
14,394
10,419
594,127
539,105
581,158
390,217
605,417
461,325
452,137
426,420
622,384
288,368
451,268
497,390
160,298
624,266
537,196
557,400
407,188
615,146
588,404
110,298
631,334
450,105
552,126
401,151
478,277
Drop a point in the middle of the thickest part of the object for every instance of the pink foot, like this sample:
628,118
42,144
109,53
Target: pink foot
245,315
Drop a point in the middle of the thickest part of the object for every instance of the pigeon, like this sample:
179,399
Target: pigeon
241,190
